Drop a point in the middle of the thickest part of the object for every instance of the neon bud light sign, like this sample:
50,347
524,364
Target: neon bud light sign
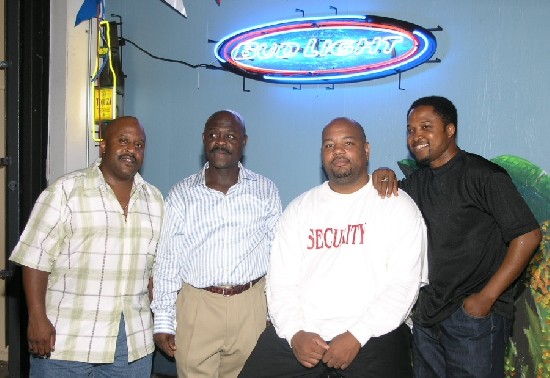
337,49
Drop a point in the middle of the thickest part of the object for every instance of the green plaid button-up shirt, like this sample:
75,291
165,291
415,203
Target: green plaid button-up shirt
99,263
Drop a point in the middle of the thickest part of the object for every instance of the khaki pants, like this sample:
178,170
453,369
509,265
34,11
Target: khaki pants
216,334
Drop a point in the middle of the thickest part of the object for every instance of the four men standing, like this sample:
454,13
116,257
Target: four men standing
346,266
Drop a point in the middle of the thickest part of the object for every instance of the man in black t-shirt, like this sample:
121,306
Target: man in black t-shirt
481,236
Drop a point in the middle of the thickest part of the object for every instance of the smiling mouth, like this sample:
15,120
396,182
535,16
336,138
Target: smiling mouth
128,159
420,146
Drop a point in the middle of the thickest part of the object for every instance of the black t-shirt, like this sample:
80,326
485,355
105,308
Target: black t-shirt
472,211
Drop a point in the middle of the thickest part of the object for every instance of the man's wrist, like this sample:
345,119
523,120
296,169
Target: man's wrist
163,324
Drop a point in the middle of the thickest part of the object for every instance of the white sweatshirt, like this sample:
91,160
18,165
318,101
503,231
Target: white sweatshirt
346,262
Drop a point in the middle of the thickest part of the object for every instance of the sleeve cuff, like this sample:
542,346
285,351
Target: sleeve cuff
362,335
164,324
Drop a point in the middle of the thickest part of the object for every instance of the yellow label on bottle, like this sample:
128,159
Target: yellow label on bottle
103,104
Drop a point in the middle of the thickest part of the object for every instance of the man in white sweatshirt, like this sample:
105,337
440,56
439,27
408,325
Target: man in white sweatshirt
345,270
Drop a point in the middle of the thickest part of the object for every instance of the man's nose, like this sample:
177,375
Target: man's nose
338,150
414,135
220,140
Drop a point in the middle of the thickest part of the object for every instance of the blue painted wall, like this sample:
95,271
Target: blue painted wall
495,60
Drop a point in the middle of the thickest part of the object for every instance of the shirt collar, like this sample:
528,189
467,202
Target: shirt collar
97,179
244,174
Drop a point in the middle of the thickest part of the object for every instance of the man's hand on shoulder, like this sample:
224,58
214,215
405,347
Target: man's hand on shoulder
166,342
342,351
385,182
308,347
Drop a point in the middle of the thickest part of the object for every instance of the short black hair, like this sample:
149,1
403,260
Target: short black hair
443,107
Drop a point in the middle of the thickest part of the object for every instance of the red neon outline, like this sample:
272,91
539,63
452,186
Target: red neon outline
307,25
233,42
365,67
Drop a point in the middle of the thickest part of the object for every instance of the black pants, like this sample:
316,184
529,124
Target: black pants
385,356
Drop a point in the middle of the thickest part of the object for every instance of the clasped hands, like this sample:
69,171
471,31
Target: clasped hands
309,349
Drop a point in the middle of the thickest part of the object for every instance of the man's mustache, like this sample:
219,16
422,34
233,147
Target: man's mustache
218,148
128,155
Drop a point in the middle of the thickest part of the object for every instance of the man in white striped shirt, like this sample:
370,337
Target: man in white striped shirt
213,254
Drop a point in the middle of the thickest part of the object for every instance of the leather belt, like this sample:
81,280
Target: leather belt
228,291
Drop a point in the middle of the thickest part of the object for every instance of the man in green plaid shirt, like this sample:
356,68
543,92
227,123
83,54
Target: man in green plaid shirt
87,253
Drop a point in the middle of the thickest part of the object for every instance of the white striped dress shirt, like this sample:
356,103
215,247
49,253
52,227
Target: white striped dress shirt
209,238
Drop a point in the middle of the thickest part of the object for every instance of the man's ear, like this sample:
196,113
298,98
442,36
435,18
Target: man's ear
451,129
367,149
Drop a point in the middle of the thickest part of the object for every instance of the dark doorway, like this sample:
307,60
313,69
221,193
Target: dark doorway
27,62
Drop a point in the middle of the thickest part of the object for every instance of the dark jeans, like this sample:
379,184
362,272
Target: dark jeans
460,346
384,356
46,368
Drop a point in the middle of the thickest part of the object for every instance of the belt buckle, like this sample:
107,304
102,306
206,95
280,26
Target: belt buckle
225,292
